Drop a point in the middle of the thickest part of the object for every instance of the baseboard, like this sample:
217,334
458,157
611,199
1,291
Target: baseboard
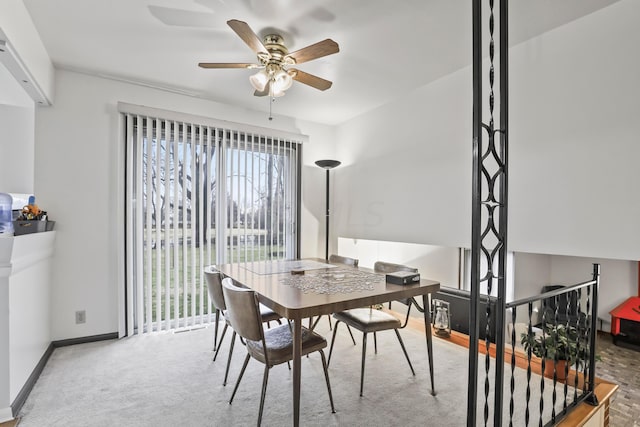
85,340
16,406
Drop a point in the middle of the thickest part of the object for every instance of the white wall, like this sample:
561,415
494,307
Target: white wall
78,179
574,129
16,136
406,173
531,273
16,149
574,178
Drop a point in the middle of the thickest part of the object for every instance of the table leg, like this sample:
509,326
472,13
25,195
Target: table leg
427,328
297,351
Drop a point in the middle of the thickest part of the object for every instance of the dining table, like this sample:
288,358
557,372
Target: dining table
305,288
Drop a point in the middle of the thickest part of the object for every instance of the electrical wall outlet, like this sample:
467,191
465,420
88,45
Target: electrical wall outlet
81,316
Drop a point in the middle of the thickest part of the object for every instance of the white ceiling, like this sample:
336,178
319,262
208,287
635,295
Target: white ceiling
387,47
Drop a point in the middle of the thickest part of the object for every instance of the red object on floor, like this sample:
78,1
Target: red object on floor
629,310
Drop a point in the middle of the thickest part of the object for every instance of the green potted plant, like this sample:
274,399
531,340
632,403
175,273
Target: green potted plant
558,344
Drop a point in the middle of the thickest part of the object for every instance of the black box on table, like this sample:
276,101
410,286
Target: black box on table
403,278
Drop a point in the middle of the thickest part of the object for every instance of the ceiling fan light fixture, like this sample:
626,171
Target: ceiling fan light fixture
259,80
281,81
276,91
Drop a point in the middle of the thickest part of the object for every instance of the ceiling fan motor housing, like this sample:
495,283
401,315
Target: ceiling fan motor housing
274,44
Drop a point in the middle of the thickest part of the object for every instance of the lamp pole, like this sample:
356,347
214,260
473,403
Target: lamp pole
327,165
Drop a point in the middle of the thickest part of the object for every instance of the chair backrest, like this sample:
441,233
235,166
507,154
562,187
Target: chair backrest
389,267
243,310
338,259
214,285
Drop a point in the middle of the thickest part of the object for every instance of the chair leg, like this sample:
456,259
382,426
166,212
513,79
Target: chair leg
265,378
215,334
364,352
244,366
351,333
226,374
224,331
333,340
315,323
405,351
326,377
375,343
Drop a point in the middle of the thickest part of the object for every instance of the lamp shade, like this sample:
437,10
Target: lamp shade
259,80
328,164
276,92
281,81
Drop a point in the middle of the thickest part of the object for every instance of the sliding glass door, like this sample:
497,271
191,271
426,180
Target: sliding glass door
199,195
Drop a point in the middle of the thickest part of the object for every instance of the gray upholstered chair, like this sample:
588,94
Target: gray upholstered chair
214,286
337,259
368,320
271,346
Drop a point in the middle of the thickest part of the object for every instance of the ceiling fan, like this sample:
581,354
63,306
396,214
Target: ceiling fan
276,74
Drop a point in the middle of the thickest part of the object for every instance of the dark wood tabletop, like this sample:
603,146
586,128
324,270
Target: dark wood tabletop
277,290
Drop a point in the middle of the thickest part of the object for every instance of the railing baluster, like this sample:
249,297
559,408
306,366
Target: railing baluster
555,359
513,364
592,399
542,365
528,395
578,347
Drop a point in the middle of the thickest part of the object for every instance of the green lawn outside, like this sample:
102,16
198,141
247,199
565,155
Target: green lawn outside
185,275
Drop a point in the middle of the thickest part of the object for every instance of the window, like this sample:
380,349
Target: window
200,194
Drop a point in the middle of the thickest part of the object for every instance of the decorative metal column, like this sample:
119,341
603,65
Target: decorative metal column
489,208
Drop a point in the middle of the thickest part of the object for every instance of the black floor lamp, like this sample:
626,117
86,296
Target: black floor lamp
327,165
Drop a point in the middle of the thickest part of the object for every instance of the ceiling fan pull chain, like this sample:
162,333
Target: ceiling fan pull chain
271,100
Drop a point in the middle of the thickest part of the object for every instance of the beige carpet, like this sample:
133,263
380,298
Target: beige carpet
168,379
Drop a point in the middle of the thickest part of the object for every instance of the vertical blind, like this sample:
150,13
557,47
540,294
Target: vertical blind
197,195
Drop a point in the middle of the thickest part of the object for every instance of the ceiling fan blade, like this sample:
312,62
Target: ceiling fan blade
314,51
265,92
247,35
310,79
226,65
